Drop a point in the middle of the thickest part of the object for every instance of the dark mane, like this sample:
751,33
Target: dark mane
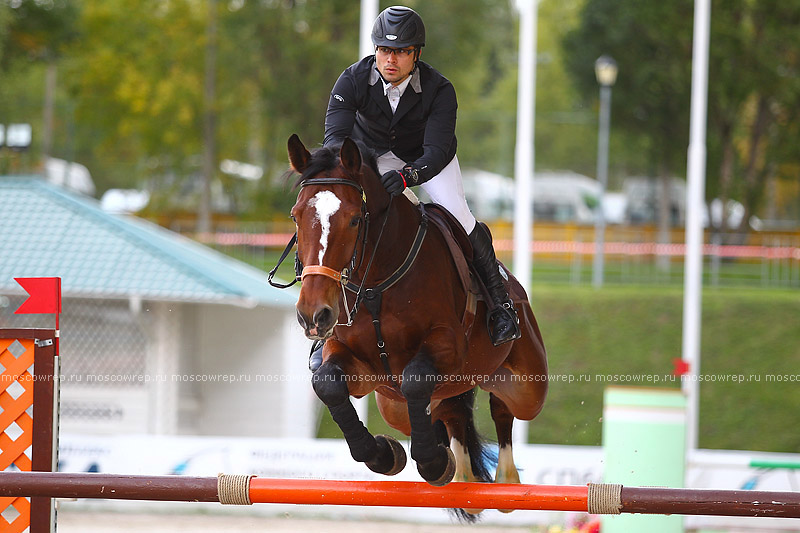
326,158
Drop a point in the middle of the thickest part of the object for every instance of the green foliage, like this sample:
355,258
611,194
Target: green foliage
130,99
752,92
36,29
651,42
753,98
136,78
5,18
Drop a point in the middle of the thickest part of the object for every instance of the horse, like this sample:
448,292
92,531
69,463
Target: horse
359,247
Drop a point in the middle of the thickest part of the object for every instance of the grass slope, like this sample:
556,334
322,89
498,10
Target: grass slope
629,336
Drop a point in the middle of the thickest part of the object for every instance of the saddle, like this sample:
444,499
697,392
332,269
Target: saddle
461,251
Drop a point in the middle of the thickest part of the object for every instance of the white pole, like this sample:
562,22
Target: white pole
369,12
524,159
695,194
524,153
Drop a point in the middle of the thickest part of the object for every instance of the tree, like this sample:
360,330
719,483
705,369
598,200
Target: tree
753,86
33,33
651,42
753,100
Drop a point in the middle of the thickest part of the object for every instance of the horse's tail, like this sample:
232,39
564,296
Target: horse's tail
481,455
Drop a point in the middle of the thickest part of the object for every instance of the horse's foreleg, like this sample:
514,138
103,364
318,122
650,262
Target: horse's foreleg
382,454
435,462
330,385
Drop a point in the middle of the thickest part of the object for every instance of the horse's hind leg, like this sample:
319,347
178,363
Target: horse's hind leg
383,454
465,443
503,421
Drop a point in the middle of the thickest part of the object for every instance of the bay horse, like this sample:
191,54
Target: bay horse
357,246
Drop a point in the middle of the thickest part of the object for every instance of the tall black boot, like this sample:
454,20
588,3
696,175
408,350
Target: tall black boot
502,319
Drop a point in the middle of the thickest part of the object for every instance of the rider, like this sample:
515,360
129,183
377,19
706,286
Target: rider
406,111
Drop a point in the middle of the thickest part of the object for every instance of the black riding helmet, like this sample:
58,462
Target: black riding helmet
398,27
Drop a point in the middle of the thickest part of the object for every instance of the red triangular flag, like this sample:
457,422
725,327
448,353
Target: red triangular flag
681,367
45,295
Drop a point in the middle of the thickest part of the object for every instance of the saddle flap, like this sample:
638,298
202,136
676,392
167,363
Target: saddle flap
457,242
461,251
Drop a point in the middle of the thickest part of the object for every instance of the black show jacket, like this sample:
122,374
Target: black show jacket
421,132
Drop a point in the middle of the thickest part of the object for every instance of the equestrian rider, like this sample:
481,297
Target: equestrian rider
406,111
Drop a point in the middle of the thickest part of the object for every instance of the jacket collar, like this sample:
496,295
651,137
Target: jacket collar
375,76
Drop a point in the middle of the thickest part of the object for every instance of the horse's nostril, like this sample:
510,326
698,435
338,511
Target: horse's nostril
301,319
324,318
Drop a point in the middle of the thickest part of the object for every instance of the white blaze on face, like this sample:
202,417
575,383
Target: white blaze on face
326,204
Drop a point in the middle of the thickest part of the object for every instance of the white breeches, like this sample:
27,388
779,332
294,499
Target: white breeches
444,189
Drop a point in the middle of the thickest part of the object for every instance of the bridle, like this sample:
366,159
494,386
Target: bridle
371,297
341,277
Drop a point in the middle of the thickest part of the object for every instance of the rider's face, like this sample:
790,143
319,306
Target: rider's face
393,64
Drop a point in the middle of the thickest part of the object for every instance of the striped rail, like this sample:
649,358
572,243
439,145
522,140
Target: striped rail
594,498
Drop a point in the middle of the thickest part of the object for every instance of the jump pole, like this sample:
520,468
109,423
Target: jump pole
244,490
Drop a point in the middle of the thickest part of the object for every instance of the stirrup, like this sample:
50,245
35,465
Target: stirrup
504,310
315,355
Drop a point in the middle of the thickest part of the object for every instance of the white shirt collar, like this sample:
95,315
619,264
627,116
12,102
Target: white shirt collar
401,87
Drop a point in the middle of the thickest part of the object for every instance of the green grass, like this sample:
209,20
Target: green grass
618,335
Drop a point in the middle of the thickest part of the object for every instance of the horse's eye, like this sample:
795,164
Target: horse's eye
355,221
293,219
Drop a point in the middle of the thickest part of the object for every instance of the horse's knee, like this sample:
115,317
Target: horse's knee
419,379
330,384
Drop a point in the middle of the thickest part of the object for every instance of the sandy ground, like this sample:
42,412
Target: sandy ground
94,522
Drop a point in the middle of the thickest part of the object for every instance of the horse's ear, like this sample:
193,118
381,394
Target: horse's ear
298,155
350,156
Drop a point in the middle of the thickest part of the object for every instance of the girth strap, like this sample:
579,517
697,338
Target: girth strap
372,301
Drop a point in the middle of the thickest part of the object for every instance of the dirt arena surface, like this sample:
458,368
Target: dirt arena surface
94,522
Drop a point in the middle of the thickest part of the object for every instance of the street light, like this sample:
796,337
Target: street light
605,69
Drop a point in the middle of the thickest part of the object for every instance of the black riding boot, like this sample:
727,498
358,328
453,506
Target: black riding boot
502,320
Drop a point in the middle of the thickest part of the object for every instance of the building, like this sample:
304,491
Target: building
160,335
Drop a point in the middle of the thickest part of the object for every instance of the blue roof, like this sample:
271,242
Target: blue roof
48,231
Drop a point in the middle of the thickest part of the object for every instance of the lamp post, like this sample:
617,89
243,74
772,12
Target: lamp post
605,69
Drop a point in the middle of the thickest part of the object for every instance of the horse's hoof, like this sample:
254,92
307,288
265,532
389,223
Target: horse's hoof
507,475
447,474
391,457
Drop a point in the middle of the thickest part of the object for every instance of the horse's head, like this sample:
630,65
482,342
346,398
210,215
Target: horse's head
329,214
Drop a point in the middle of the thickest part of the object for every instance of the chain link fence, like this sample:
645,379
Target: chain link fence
98,338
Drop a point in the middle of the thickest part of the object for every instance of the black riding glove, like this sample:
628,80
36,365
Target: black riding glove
395,181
